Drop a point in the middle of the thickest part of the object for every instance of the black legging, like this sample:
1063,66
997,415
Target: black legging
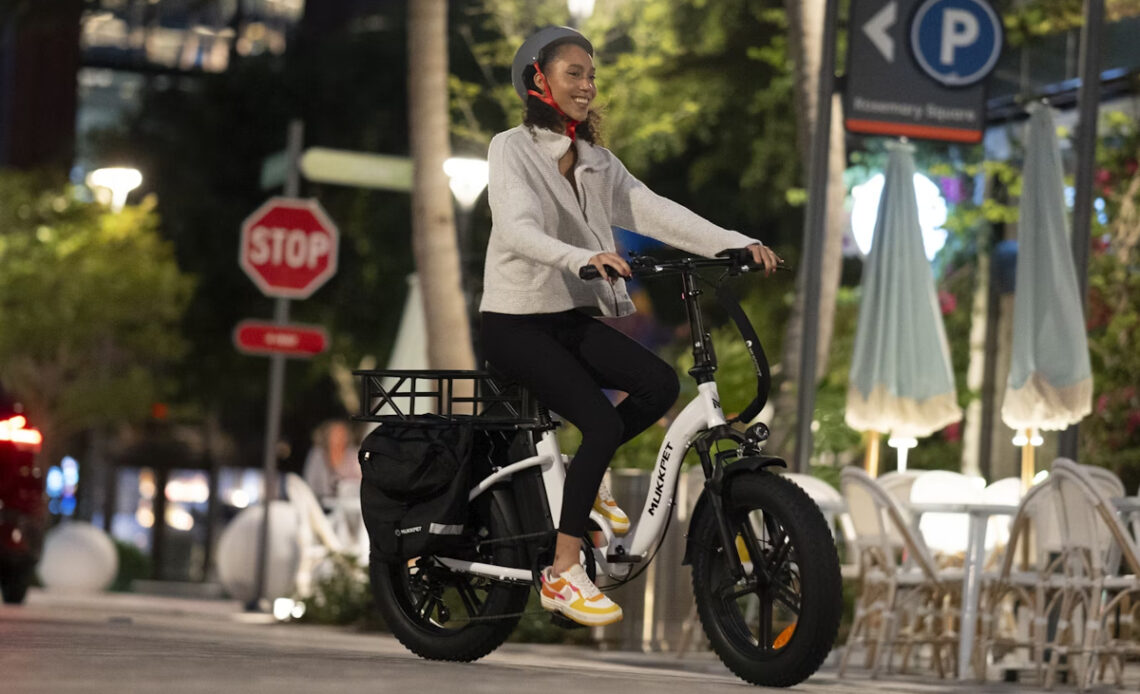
565,359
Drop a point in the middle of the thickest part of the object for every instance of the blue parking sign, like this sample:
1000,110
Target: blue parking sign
956,42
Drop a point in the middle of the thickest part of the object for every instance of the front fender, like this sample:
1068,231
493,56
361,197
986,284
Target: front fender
723,486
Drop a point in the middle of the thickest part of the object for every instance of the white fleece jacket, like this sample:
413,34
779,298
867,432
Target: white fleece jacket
542,233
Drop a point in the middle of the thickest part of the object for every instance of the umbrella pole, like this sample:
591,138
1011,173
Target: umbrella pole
871,460
1028,462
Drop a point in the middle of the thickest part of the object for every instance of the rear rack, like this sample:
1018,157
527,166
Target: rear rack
447,398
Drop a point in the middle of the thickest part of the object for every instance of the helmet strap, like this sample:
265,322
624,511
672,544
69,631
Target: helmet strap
546,98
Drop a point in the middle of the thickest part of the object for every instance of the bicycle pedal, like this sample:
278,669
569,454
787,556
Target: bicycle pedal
560,621
622,559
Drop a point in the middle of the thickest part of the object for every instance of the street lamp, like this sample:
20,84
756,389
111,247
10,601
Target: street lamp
467,179
931,213
118,180
580,11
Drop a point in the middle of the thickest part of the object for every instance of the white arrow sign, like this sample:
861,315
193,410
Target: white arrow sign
877,27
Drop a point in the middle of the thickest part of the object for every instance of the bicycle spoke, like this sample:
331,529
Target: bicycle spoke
737,591
787,596
421,603
429,605
764,628
467,595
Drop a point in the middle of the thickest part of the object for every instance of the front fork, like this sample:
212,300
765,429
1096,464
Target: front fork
717,483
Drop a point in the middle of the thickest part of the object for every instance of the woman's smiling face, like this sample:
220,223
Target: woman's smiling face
569,78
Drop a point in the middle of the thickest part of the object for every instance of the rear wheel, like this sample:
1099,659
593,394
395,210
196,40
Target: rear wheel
441,614
774,625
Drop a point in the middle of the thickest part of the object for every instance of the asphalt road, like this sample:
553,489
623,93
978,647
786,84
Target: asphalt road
111,644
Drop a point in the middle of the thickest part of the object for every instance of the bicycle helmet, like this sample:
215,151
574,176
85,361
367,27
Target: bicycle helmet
528,53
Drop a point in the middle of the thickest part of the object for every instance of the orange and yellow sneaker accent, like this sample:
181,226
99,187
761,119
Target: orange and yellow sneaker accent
605,505
573,595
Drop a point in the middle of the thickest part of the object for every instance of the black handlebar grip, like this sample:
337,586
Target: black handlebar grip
589,272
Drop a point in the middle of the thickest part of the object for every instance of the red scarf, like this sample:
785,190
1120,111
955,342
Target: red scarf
546,98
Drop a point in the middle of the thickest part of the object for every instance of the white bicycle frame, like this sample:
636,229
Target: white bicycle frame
702,413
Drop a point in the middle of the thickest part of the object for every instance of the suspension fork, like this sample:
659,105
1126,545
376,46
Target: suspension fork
715,486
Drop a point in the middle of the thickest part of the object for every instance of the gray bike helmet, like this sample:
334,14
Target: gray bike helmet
532,47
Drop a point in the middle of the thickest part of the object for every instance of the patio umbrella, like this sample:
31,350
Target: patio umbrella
901,380
1050,379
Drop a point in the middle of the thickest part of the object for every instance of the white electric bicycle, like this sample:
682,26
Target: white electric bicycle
764,568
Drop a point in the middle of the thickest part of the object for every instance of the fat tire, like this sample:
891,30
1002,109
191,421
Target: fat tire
474,640
821,603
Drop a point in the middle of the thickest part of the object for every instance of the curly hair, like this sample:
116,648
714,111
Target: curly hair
539,114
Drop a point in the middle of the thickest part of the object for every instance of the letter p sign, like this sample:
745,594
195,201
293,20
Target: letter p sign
959,30
956,42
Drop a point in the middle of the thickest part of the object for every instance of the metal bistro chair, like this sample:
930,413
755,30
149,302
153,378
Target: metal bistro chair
904,599
317,541
1016,601
1103,569
831,503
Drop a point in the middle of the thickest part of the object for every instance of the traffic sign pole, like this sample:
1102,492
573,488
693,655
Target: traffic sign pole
276,380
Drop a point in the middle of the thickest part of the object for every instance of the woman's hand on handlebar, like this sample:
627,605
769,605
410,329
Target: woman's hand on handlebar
601,260
765,257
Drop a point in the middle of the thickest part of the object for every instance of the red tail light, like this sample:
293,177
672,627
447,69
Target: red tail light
16,430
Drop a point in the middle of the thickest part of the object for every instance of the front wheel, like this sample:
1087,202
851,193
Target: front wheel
775,624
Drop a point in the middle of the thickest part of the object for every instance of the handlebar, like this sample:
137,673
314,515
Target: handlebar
735,260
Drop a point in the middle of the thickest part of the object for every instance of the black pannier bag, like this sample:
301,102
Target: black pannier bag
413,494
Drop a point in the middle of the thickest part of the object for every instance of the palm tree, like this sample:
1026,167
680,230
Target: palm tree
433,221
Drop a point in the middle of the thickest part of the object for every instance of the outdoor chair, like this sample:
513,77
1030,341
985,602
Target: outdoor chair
1005,491
898,485
1102,563
1017,599
831,504
946,534
904,599
316,538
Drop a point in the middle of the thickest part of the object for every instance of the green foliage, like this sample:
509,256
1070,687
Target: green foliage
1110,436
1040,18
833,437
341,595
90,303
134,564
696,99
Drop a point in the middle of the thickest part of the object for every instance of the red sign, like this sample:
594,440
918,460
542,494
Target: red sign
288,247
258,337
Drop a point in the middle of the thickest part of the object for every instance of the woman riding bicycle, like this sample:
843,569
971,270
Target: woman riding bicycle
555,195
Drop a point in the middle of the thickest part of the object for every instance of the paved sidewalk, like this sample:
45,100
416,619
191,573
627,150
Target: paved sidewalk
114,643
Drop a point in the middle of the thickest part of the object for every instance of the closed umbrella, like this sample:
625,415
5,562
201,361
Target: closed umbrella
1050,379
901,380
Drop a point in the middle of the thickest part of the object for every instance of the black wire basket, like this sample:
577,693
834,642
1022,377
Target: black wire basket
447,398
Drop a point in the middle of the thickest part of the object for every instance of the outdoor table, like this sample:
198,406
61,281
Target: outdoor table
979,515
1126,505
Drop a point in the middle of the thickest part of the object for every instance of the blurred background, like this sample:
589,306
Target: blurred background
119,296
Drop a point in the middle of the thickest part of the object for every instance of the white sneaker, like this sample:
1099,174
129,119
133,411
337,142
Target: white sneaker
575,596
605,505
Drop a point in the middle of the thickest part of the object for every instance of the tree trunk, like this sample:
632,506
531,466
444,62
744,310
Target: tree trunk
433,220
806,34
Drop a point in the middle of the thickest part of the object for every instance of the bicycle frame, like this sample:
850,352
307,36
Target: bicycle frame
703,412
615,556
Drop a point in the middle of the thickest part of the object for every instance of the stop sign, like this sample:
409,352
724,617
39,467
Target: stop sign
288,247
